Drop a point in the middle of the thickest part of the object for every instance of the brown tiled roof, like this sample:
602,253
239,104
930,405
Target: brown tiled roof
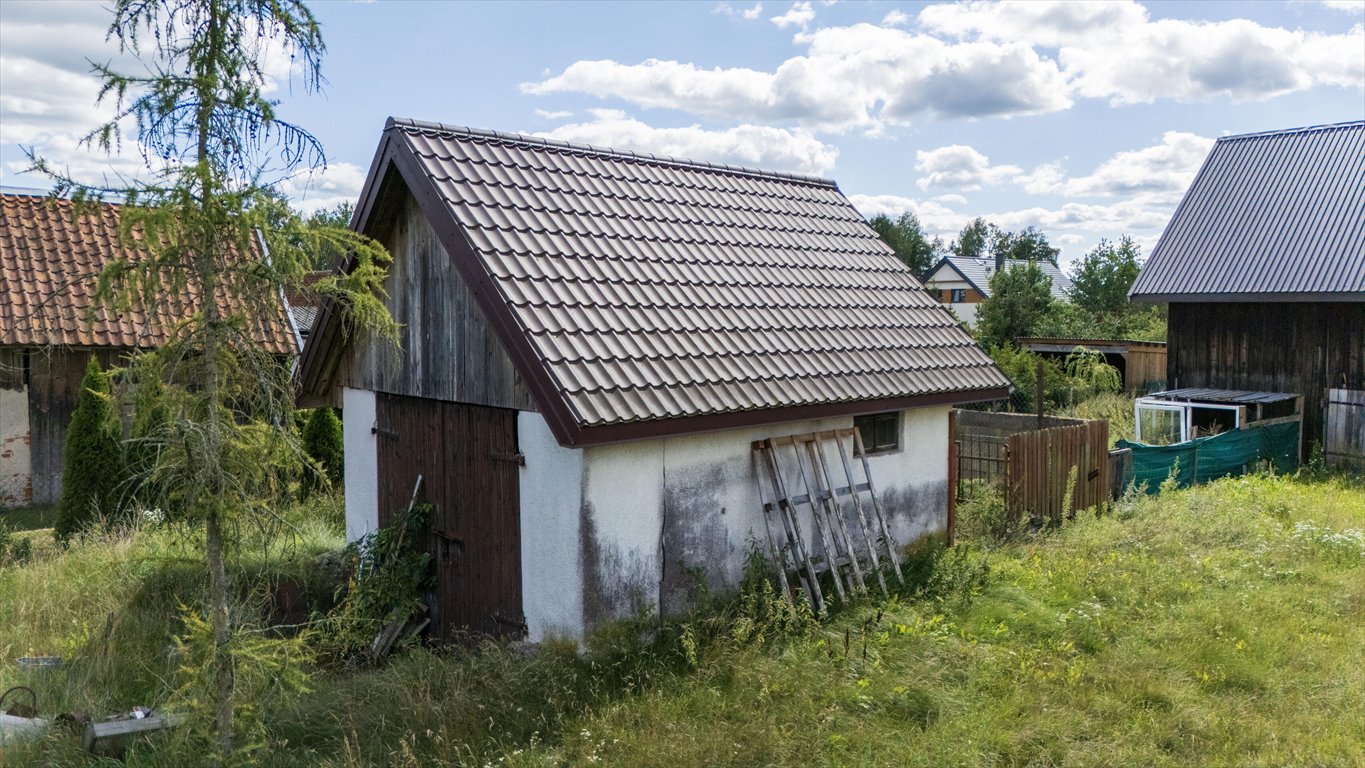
639,290
50,261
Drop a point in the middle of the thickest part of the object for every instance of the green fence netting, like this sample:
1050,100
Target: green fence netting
1207,458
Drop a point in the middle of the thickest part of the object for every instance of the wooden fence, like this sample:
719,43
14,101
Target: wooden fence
980,441
1343,442
1045,467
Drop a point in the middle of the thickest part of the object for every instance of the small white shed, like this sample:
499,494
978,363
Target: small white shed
591,342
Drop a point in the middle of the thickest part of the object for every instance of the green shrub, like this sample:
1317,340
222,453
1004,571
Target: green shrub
390,571
92,461
1117,407
323,442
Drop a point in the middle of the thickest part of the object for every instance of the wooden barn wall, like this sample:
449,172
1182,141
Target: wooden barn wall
467,457
54,381
1278,347
447,349
1144,366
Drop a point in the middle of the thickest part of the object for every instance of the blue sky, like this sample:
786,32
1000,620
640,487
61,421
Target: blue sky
1085,119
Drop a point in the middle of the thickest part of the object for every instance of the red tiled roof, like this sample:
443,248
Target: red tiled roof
638,290
50,261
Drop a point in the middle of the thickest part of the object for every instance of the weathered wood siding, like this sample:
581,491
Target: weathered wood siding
1046,466
466,456
54,381
1276,347
448,351
1144,370
1344,445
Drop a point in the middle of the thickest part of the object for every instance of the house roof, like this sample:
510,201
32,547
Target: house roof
977,272
50,262
1276,216
642,295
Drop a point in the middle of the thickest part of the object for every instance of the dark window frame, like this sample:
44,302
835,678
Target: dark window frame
959,296
875,428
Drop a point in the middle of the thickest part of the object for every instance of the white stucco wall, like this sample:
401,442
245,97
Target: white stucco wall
15,455
362,476
551,496
655,516
607,531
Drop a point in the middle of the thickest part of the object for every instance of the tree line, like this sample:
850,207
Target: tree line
1021,301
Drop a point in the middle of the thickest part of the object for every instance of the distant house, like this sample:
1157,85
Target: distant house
593,340
303,301
50,325
1263,265
963,282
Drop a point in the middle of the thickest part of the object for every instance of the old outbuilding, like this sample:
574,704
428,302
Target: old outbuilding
1263,264
1141,364
592,341
51,255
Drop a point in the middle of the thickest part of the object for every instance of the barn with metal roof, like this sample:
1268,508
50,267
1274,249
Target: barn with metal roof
593,341
1263,264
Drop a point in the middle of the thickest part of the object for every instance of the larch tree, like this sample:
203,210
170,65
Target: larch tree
215,146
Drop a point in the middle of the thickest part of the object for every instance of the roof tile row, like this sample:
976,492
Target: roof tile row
50,262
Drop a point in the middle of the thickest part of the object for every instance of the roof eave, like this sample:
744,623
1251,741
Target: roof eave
720,422
1245,298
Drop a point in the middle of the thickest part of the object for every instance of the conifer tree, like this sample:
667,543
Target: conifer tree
323,441
215,148
92,462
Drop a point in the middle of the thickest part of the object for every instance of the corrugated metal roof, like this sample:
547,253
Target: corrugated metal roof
978,271
50,261
1204,395
1270,216
653,289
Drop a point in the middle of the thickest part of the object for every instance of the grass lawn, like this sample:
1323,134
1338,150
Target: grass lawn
1223,625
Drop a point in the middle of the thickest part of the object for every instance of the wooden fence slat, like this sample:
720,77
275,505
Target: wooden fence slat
1039,467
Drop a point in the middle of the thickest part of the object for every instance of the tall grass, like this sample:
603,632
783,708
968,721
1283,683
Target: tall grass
1214,626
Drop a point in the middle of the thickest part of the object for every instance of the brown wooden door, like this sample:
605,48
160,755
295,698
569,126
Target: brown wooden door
467,457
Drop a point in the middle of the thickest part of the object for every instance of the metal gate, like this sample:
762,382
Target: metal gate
467,456
1343,442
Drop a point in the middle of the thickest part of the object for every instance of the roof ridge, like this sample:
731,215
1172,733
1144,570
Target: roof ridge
423,125
1289,131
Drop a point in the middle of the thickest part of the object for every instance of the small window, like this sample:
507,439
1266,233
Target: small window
959,296
881,432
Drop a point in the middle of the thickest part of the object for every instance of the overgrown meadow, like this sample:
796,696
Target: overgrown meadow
1215,626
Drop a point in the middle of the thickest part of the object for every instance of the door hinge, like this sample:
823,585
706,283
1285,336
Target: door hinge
390,434
516,458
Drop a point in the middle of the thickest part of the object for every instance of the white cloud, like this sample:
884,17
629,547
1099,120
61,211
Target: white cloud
800,15
1115,51
896,18
1050,23
1074,227
748,14
960,167
326,188
1164,170
936,218
560,114
852,77
48,91
751,145
1349,6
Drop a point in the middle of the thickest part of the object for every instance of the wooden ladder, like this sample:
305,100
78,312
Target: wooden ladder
848,546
